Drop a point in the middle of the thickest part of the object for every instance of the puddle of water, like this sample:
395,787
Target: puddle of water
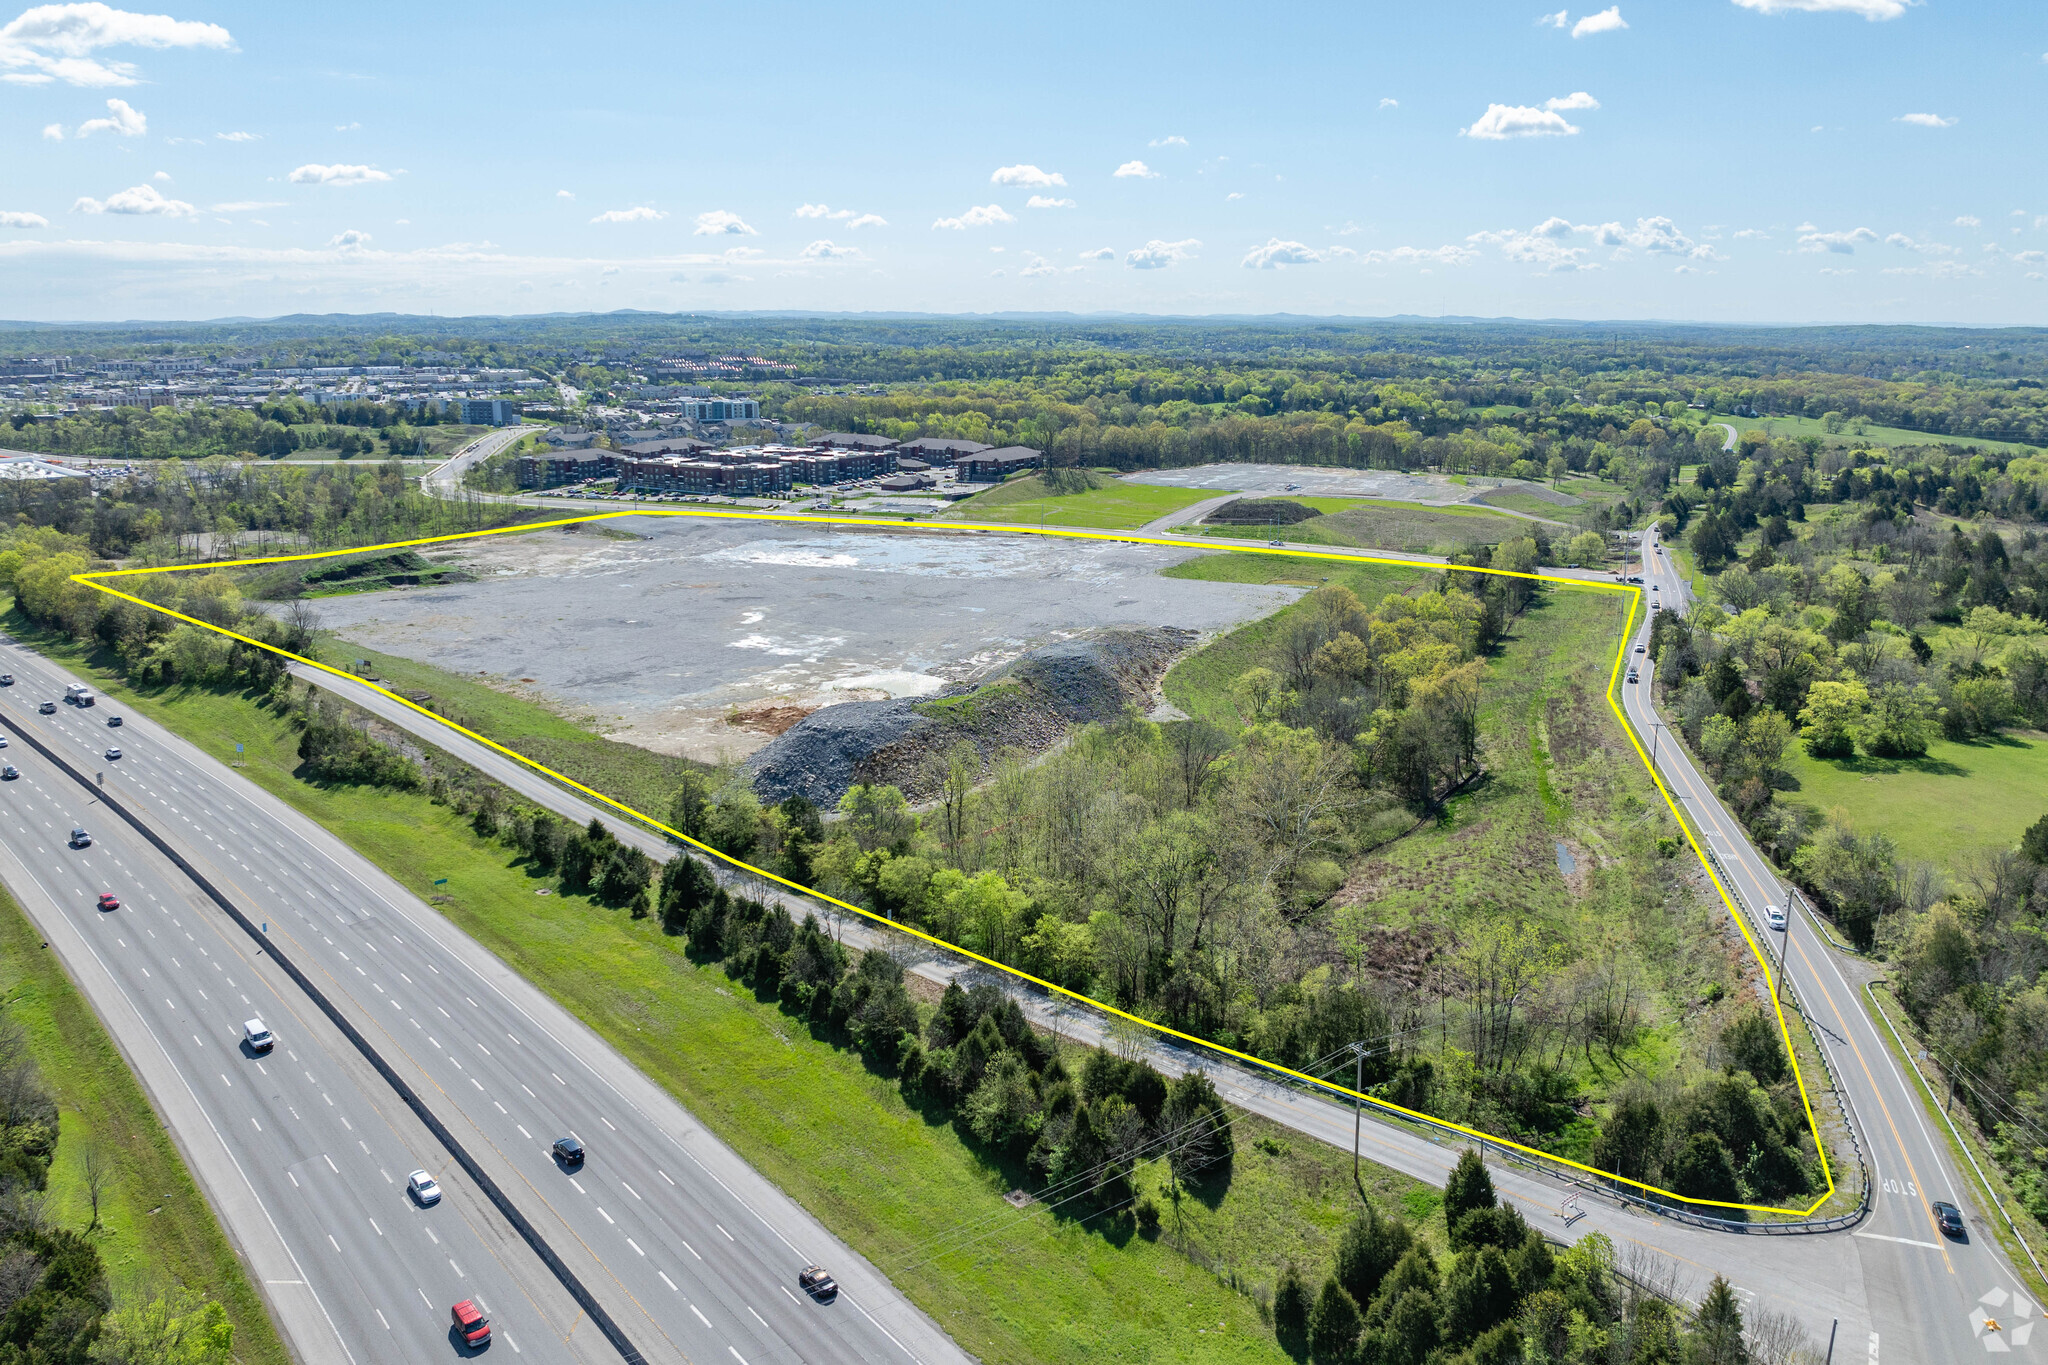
1565,862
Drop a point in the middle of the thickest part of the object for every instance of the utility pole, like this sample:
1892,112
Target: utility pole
1357,1113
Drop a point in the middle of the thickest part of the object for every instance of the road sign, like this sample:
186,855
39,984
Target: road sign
440,881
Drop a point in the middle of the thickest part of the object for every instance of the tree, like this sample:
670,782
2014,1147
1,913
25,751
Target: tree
1717,1329
176,1328
2034,843
1588,549
1703,1170
1195,746
1469,1188
1291,1307
1857,876
1901,722
1832,714
1630,1139
1479,1295
877,817
1333,1325
1371,1247
691,805
1752,1045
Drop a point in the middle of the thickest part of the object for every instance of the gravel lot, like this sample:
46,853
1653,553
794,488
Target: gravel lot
660,638
1266,479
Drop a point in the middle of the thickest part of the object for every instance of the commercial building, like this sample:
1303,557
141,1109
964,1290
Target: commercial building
557,467
993,466
488,412
719,409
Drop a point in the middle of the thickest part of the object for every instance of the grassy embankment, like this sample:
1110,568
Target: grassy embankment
156,1227
1115,505
1559,770
907,1192
1873,436
1961,797
1373,523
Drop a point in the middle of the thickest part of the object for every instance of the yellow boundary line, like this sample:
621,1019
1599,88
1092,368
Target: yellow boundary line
1613,694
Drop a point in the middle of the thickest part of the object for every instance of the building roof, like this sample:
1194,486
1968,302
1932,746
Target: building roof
666,445
855,441
1009,455
938,445
901,482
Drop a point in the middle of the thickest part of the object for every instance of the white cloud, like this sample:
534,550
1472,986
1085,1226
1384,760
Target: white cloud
983,215
1686,270
1026,176
1578,99
1841,243
639,213
1035,264
1872,10
1503,121
1039,201
1752,234
1606,21
351,240
1101,253
1278,255
121,119
1340,253
564,195
1905,243
849,217
823,250
1556,20
56,42
239,137
164,176
1926,120
1547,244
722,223
1830,270
315,174
1939,270
1171,140
140,200
346,127
1157,255
54,131
247,206
1967,221
1420,255
1234,194
2030,257
14,219
1389,102
1135,170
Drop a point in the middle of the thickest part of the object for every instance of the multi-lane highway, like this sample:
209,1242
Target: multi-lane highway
691,1252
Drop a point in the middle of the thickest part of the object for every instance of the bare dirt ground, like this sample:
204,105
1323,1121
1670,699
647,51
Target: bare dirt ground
1311,481
666,639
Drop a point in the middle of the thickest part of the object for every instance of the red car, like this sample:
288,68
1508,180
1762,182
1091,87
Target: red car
109,901
470,1321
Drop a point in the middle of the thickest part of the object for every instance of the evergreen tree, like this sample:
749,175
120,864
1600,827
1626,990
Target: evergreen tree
1717,1329
1372,1246
1333,1325
1291,1306
1469,1188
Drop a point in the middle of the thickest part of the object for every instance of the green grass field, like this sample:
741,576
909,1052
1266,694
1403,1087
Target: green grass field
1532,504
1959,798
905,1191
157,1229
1872,436
1116,506
1369,523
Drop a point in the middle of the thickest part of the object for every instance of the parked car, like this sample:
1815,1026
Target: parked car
471,1323
109,901
80,839
48,708
258,1036
817,1283
423,1187
569,1151
1774,915
1949,1217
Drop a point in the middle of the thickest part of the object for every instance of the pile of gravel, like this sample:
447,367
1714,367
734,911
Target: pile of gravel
1029,704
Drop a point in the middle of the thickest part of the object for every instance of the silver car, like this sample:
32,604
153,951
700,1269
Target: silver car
1774,915
423,1187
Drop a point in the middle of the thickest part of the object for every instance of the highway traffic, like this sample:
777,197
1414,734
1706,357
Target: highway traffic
692,1254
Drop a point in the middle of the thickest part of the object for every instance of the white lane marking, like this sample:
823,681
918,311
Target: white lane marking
259,1127
502,1109
423,1297
337,1170
1902,1241
294,1180
757,1317
458,1269
635,1245
225,1081
700,1316
529,1094
606,1122
607,1217
687,1247
737,1356
630,1190
785,1290
522,1131
380,1317
728,1236
663,1174
558,1079
380,1231
578,1184
666,1280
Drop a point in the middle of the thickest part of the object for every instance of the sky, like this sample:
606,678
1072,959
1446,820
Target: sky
1718,160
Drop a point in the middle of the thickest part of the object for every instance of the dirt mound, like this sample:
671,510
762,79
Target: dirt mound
1262,512
1029,704
769,720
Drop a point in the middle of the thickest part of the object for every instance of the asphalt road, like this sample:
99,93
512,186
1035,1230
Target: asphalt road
1921,1287
445,479
691,1251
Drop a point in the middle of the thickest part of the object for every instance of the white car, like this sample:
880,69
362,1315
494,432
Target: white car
1774,915
258,1036
423,1187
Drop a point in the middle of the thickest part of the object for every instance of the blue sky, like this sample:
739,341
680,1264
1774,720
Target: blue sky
1753,160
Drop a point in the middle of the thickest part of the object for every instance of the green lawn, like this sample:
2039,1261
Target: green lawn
157,1229
1116,506
829,1130
1872,435
1533,504
1959,798
1369,523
